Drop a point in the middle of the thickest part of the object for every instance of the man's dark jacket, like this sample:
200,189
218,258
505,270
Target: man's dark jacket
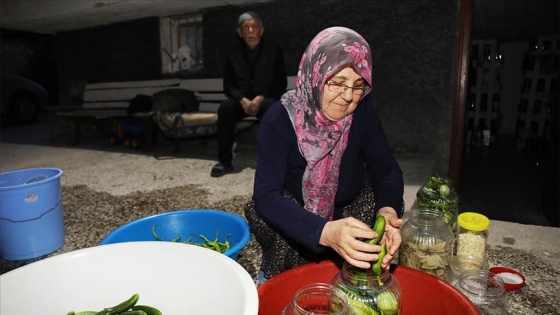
265,76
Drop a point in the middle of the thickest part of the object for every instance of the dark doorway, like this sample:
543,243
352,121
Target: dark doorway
509,165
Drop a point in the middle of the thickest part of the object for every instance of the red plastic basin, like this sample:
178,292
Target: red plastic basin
422,293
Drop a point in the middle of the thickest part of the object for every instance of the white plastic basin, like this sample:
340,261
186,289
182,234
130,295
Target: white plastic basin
175,278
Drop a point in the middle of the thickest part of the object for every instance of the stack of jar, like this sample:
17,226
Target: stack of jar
468,270
470,249
473,234
436,240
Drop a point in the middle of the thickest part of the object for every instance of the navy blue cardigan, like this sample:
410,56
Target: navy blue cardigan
280,167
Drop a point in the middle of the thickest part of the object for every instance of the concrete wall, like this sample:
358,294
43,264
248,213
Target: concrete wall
118,52
413,45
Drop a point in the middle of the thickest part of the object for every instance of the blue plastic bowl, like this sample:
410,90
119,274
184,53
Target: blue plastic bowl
187,224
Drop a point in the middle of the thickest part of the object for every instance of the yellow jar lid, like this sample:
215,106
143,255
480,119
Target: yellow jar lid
473,221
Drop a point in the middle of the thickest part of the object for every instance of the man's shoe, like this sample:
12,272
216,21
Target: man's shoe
220,170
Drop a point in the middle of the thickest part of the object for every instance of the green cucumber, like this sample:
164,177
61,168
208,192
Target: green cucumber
379,228
124,306
387,303
147,309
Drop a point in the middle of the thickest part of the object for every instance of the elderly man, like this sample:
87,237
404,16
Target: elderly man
254,78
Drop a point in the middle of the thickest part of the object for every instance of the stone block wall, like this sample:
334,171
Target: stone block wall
413,44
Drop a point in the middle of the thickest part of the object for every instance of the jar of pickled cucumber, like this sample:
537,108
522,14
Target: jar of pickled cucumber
318,298
473,234
427,242
368,293
438,193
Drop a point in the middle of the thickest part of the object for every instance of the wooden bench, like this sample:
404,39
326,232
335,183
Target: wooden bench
104,101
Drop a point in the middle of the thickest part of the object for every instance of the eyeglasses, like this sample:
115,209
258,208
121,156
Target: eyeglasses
247,26
341,88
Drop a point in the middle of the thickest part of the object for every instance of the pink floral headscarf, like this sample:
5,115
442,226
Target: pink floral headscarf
322,142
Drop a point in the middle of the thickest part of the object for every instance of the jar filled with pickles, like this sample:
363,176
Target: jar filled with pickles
368,292
438,193
427,242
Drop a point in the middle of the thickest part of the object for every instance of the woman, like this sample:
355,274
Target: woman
324,168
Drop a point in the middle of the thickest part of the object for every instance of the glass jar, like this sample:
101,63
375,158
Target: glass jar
486,291
368,293
427,242
464,263
438,193
318,299
473,234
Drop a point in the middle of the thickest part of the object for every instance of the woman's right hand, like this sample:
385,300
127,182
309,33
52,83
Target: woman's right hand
344,237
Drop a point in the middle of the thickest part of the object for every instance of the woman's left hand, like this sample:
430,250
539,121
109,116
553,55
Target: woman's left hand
392,236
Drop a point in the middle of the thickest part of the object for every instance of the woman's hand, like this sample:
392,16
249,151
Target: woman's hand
344,237
392,236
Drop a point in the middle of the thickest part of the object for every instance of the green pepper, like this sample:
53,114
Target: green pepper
213,245
154,232
376,267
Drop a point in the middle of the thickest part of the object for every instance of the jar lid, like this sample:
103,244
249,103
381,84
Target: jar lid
473,221
513,279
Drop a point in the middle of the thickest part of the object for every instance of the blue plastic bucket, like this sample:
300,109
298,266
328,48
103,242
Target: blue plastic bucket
31,221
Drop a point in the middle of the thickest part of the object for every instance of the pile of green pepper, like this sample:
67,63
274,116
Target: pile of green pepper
128,307
215,245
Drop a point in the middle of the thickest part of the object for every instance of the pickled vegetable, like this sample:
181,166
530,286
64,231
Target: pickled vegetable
438,193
